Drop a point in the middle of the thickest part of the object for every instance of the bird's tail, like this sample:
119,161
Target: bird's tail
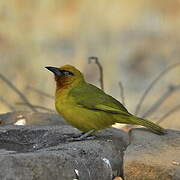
150,125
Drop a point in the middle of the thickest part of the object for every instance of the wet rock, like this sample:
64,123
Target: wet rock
152,157
48,153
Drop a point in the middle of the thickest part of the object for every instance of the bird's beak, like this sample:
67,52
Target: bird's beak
55,70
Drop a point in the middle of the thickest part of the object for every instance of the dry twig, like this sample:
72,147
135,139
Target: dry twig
138,107
12,108
38,91
171,111
122,93
159,102
100,70
17,91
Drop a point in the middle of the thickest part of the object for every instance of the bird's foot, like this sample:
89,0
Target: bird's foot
78,135
83,136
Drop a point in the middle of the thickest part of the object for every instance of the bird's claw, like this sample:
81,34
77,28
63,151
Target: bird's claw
83,136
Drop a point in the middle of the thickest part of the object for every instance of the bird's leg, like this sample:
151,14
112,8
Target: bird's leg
84,136
87,134
78,135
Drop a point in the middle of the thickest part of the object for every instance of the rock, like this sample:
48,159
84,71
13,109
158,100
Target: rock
48,153
152,157
31,118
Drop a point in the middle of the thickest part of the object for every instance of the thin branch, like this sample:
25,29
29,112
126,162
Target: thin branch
122,93
138,107
162,99
17,91
36,106
12,108
96,60
38,91
173,110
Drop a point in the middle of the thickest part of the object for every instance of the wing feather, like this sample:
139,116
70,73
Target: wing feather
91,97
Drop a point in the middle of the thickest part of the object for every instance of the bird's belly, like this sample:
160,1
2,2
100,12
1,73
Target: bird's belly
85,119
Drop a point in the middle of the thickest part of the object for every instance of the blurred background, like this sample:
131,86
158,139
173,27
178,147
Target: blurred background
134,40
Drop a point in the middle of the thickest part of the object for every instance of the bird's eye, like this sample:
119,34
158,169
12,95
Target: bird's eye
66,73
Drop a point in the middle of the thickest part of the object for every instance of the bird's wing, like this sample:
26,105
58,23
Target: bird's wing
93,98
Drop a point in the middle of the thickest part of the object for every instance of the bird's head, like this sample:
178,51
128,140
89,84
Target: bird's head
66,75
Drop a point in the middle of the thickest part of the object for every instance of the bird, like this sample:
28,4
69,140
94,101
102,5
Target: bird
87,107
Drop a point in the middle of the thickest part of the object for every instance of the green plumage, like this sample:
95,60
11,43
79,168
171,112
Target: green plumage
87,107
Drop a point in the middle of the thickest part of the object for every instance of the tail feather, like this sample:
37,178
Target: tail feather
150,125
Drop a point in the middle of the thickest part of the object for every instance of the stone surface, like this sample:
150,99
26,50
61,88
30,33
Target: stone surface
152,157
31,118
48,153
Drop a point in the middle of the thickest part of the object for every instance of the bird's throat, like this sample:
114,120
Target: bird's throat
62,83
